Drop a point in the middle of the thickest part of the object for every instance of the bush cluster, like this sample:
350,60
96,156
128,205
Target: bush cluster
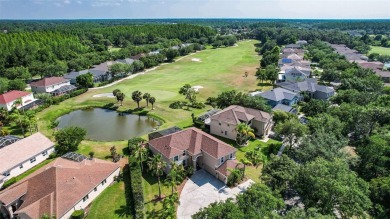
59,99
78,214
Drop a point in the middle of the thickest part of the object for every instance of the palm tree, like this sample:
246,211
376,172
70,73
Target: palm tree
120,97
18,119
244,132
245,162
18,102
156,166
169,209
152,100
139,153
147,97
136,96
114,92
175,175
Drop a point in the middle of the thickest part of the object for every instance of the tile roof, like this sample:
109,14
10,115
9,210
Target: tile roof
225,168
57,187
278,94
12,95
48,81
192,140
22,150
233,114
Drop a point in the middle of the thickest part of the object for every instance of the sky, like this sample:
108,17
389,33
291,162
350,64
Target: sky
117,9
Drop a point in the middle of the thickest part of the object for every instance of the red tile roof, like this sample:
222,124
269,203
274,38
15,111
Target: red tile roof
12,95
192,140
57,187
225,168
48,81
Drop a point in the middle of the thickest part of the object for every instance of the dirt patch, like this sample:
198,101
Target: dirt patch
196,60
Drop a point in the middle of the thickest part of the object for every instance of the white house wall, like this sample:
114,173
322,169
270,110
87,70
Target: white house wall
26,98
48,89
91,195
16,171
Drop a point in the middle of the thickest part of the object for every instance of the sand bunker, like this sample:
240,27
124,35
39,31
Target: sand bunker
196,88
109,95
196,60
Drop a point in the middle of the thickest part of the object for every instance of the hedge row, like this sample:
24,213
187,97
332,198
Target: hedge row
137,188
8,183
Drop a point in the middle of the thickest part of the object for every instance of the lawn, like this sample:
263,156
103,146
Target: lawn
152,207
111,203
113,49
380,50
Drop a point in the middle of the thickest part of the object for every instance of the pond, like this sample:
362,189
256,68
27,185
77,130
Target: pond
108,125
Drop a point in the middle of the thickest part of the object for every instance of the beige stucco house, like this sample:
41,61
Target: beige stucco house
193,147
224,122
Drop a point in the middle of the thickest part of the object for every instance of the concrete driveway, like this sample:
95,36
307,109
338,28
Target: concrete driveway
201,190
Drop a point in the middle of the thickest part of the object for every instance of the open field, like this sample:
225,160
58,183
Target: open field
218,70
380,50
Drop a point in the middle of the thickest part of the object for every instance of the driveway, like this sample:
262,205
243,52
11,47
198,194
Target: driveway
203,189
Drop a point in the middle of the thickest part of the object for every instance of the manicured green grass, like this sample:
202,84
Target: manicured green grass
113,49
152,206
111,203
380,50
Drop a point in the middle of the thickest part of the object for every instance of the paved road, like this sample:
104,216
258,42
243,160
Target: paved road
203,189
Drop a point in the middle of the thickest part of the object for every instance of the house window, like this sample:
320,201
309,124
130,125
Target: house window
231,156
221,132
95,189
44,153
225,132
6,174
219,123
184,153
85,198
21,166
32,160
176,158
222,159
104,182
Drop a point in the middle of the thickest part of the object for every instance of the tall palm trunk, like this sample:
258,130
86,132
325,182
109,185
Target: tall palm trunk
159,187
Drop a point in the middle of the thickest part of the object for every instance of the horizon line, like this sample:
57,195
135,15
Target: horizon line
204,18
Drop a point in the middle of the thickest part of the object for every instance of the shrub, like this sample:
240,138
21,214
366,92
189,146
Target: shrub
177,105
198,105
9,182
78,214
137,188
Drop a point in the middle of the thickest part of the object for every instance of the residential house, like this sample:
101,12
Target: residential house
101,72
24,154
7,100
225,121
293,46
309,86
193,147
67,184
52,85
138,56
72,76
296,74
281,99
155,52
125,61
301,42
385,75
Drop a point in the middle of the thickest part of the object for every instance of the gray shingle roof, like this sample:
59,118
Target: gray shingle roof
310,84
75,74
283,107
278,94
